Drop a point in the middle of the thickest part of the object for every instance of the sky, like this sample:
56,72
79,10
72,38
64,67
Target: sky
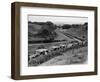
58,19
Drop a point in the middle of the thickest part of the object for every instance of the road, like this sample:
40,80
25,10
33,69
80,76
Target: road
73,37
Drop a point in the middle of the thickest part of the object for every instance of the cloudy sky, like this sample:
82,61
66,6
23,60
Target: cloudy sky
58,19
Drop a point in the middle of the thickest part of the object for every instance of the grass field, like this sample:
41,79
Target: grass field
76,56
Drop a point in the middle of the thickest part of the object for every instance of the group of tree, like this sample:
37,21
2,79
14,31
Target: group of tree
48,28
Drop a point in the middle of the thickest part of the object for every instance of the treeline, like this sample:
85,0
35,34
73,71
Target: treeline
64,26
68,26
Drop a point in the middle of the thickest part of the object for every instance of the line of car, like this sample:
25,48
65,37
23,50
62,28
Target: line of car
58,49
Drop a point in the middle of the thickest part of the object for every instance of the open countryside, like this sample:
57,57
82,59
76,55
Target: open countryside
51,44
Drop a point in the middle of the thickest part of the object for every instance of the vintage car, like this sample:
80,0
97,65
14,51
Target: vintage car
53,49
63,47
39,52
69,45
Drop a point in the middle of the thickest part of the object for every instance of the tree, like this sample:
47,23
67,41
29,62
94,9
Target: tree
66,26
86,25
48,31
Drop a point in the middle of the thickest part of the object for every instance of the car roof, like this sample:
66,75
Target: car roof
41,50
